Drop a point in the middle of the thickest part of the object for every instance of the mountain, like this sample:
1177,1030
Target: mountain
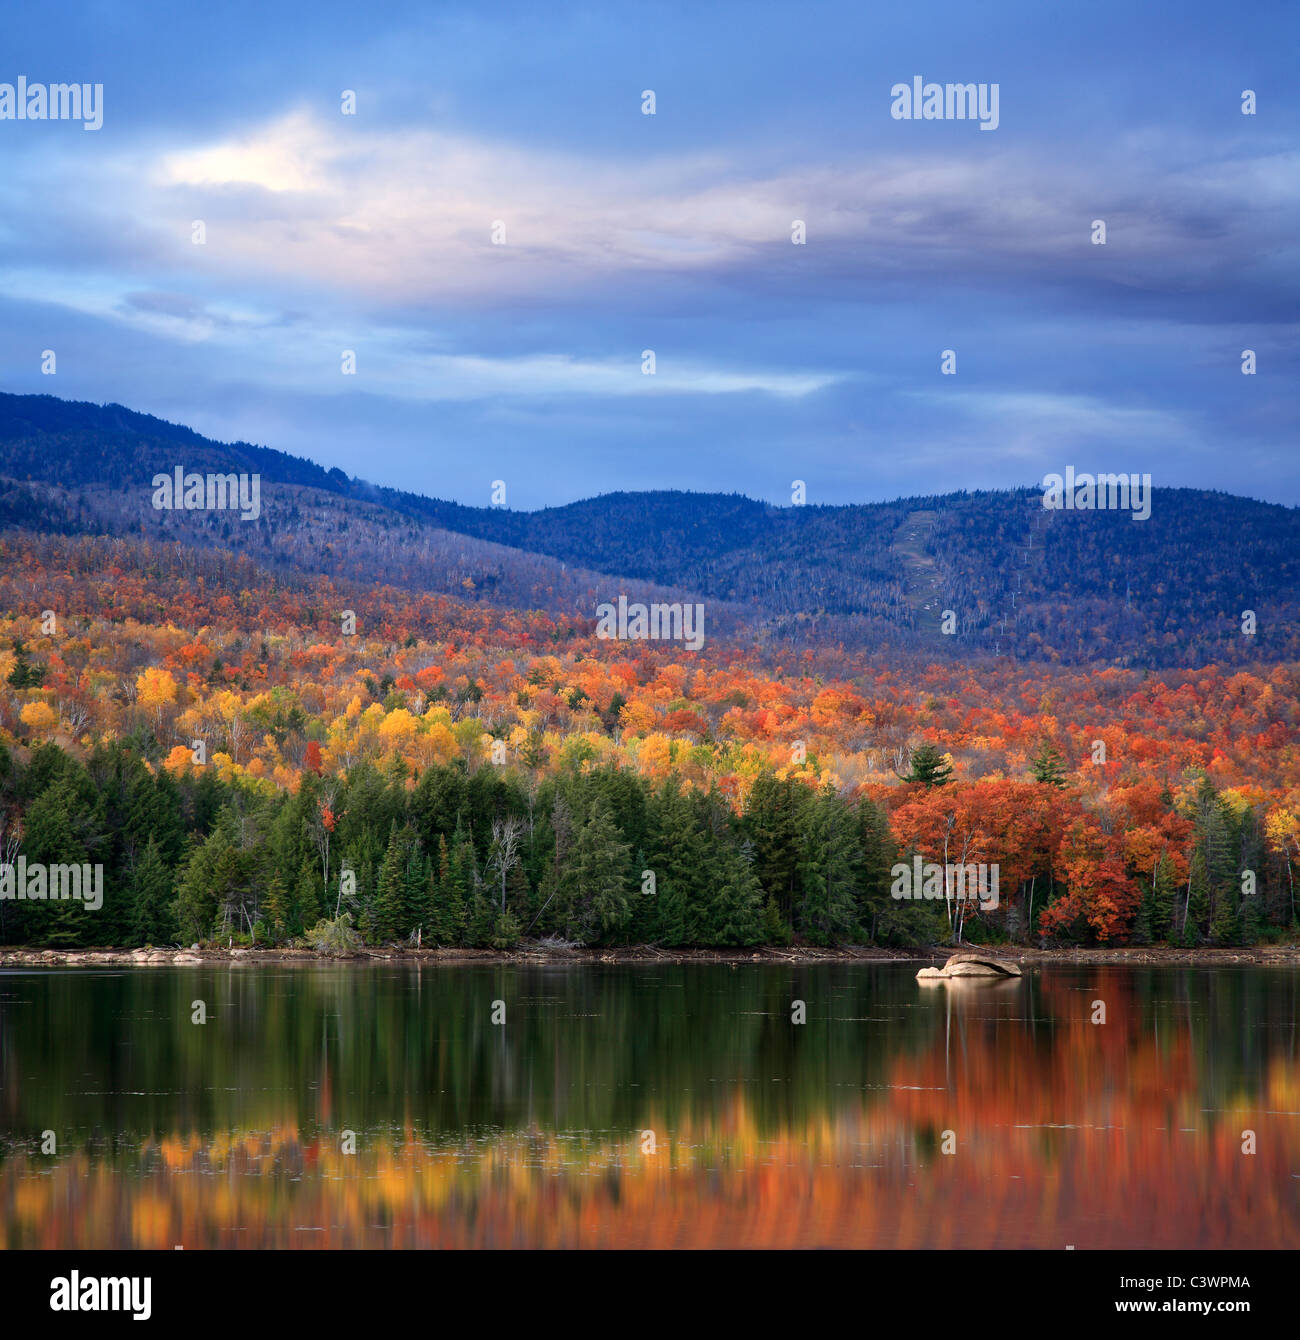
1013,578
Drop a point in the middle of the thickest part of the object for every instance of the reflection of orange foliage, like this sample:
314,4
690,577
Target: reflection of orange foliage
1102,1141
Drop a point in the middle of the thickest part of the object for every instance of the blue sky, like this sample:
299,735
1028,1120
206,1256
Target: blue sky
672,232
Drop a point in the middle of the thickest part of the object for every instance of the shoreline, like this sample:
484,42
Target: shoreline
1138,956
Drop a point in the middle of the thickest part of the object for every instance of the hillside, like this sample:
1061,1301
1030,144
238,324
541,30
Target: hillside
1074,587
228,715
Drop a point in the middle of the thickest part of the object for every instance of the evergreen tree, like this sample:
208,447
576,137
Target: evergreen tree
775,930
387,914
195,905
447,909
24,675
1253,923
731,911
307,908
883,917
208,796
1225,927
929,767
153,811
772,825
417,891
1163,897
677,857
277,909
831,872
505,930
1048,767
600,904
481,920
1140,932
49,839
1196,909
151,898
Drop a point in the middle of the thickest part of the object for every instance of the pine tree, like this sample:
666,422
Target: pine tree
600,857
505,930
1225,927
879,913
775,930
151,897
1252,919
195,905
677,857
465,883
417,890
386,912
1048,767
447,902
1140,932
1163,895
481,920
366,894
772,824
929,767
641,924
276,909
1196,910
307,908
831,872
153,810
731,911
24,675
49,838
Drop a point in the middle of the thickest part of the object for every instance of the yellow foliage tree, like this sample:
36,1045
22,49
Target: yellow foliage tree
40,718
155,690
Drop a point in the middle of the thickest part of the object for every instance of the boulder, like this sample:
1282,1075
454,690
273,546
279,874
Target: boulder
971,963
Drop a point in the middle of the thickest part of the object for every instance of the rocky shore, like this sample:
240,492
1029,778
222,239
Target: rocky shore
545,953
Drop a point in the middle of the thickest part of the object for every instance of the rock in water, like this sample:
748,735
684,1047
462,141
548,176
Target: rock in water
968,963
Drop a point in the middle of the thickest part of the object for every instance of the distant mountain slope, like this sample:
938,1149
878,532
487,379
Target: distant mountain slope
1018,580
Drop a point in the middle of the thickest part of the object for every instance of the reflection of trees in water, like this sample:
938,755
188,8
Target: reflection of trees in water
870,1176
1121,1133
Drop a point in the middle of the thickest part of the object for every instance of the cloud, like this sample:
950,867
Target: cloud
408,216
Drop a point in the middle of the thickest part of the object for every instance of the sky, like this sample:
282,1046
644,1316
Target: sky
521,357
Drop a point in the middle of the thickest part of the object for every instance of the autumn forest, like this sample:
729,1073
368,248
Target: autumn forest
264,757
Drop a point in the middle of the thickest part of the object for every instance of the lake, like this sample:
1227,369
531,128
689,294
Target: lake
642,1106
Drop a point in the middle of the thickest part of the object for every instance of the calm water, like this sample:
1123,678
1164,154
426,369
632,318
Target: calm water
648,1107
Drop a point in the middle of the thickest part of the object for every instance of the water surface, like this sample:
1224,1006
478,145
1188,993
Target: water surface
648,1107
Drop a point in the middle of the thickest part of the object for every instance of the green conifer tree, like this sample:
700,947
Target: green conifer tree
831,872
929,767
151,898
600,859
1048,767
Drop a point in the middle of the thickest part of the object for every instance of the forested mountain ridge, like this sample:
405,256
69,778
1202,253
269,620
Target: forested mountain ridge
206,732
188,706
1014,579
